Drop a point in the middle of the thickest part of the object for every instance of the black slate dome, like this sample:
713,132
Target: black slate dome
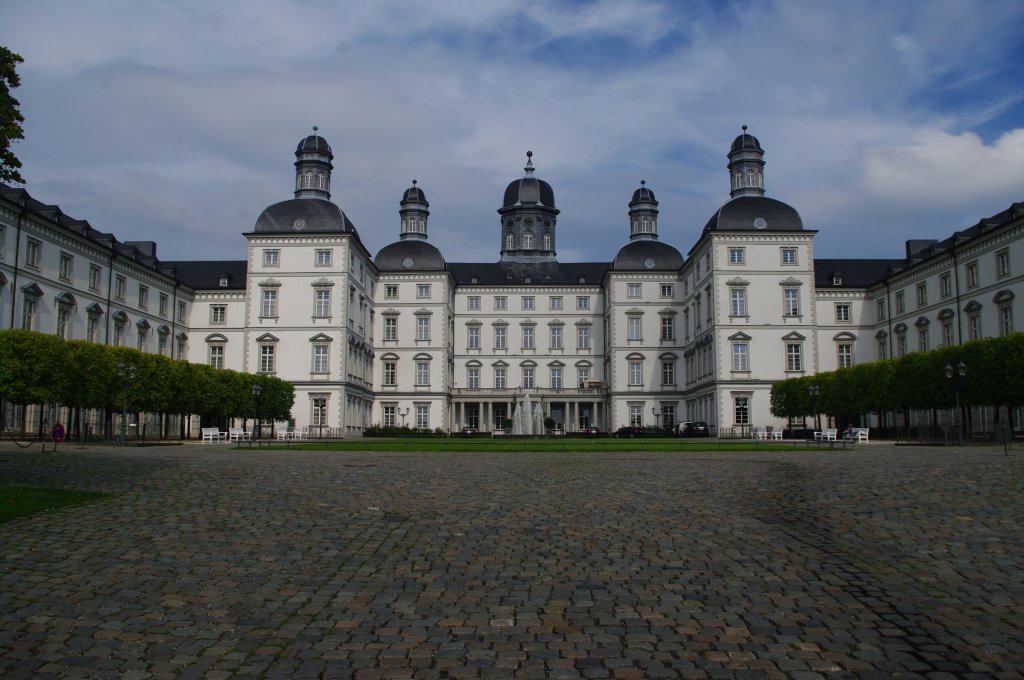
414,194
647,255
529,191
745,141
409,255
755,213
643,194
314,144
303,216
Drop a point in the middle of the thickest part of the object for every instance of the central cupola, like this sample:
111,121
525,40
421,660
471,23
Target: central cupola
528,217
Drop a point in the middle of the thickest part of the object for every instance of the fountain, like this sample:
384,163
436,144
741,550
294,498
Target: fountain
528,418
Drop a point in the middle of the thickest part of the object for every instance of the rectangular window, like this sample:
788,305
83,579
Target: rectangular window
883,350
947,333
323,257
844,352
1003,263
422,290
922,339
318,407
737,256
92,328
636,415
582,302
271,258
32,248
389,415
668,416
737,302
633,328
666,290
528,337
901,345
390,373
161,345
794,357
267,354
500,337
583,337
143,297
473,337
500,379
900,304
789,256
668,373
94,277
500,302
321,358
527,302
556,337
473,303
422,416
528,378
473,378
322,302
668,327
555,302
422,373
120,283
880,309
216,356
922,294
391,291
390,328
583,375
269,308
843,312
118,334
740,356
423,328
972,274
633,290
164,301
974,327
741,410
791,297
945,285
218,314
181,310
636,374
1005,320
556,378
66,263
63,314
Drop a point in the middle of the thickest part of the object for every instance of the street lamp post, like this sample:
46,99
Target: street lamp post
957,375
403,414
814,391
127,376
256,392
657,416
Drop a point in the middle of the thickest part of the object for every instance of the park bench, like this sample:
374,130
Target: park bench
237,434
858,435
213,434
828,435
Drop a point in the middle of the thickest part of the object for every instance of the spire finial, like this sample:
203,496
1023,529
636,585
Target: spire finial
414,182
744,129
529,164
315,128
643,182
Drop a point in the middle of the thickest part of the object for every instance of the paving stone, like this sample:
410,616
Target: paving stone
872,563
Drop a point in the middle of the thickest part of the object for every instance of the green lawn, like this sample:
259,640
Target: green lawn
19,501
551,444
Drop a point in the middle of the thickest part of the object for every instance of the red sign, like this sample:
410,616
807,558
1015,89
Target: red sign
57,433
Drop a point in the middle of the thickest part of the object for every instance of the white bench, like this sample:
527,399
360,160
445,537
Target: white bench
237,434
774,434
213,434
858,435
827,435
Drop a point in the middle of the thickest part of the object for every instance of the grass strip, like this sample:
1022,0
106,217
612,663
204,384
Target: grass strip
21,501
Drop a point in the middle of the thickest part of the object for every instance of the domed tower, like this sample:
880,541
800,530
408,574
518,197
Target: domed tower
313,167
528,218
746,166
414,212
643,214
411,252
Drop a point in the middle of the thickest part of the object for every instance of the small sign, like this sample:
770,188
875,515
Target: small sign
57,433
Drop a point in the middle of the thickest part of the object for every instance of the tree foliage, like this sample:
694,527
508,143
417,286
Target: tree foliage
994,377
36,368
10,117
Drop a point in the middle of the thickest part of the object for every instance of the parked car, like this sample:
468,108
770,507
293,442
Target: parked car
629,431
692,429
591,430
469,430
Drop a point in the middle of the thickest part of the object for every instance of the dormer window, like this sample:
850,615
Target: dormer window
223,282
837,279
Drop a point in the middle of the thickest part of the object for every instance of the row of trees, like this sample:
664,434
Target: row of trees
994,377
43,369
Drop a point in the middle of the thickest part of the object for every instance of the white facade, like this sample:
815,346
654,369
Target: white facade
405,338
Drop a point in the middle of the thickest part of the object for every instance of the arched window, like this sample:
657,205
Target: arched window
547,241
322,181
750,178
645,226
307,180
527,241
508,241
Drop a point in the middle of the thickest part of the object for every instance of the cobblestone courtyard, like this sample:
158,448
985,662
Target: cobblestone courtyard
874,562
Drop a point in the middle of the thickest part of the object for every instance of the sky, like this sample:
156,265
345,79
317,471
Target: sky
177,120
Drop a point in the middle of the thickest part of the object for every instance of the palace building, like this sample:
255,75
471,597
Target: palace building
653,336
